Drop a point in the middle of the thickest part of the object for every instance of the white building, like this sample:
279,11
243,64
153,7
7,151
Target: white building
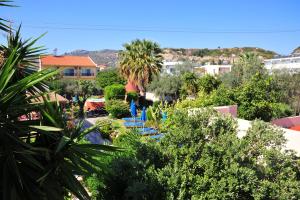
215,69
169,67
289,63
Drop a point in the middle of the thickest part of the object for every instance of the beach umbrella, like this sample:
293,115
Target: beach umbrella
133,109
143,115
164,116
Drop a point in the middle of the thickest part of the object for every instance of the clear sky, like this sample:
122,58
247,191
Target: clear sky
98,24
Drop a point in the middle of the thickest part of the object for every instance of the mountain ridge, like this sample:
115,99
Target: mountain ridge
109,57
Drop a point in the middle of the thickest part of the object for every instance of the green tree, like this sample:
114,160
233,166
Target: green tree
83,89
140,61
166,85
289,88
189,84
244,69
206,160
186,66
208,83
109,77
115,91
258,98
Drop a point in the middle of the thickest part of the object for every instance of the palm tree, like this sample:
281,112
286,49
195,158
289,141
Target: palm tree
140,61
3,22
190,83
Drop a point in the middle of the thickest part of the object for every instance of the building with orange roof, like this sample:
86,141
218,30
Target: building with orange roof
72,67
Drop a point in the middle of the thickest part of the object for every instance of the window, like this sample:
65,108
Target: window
87,72
69,72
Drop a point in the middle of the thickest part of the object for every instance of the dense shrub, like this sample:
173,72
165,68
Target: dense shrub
132,96
200,157
281,110
105,127
115,91
109,77
208,83
117,108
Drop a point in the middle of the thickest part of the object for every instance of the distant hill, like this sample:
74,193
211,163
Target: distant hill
109,57
296,51
106,57
215,56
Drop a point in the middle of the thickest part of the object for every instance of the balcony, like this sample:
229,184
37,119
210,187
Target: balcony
87,74
68,74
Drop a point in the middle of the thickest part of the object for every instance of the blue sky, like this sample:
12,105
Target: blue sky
96,24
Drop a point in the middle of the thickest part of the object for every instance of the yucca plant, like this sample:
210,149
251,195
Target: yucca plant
39,159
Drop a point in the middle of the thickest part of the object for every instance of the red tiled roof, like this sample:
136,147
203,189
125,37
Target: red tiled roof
67,61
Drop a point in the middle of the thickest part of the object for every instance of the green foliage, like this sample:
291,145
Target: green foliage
130,173
208,83
39,158
105,127
281,110
132,96
189,84
165,85
154,116
243,70
201,157
117,108
204,150
109,77
256,99
288,83
115,91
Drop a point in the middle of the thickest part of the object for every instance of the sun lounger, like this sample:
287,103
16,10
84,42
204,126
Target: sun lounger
149,132
131,119
134,124
157,137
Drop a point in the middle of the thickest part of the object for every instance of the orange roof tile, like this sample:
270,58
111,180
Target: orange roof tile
67,61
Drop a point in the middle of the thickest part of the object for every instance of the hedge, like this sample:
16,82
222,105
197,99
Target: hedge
115,91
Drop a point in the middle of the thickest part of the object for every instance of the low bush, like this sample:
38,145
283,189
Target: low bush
117,108
115,91
281,110
105,127
132,96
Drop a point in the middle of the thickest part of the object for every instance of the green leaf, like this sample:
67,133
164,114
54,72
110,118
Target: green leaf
47,128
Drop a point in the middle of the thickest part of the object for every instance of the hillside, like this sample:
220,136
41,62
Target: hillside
109,57
106,57
217,56
296,51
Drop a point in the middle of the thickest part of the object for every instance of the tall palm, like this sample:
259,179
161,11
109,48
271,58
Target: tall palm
140,61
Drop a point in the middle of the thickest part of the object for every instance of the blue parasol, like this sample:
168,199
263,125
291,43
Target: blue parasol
133,109
164,116
143,115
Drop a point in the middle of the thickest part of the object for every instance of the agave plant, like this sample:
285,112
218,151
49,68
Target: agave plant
40,159
3,22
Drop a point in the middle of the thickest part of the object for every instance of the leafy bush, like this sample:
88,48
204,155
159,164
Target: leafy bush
132,96
117,108
109,77
105,127
115,91
202,149
281,110
208,83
